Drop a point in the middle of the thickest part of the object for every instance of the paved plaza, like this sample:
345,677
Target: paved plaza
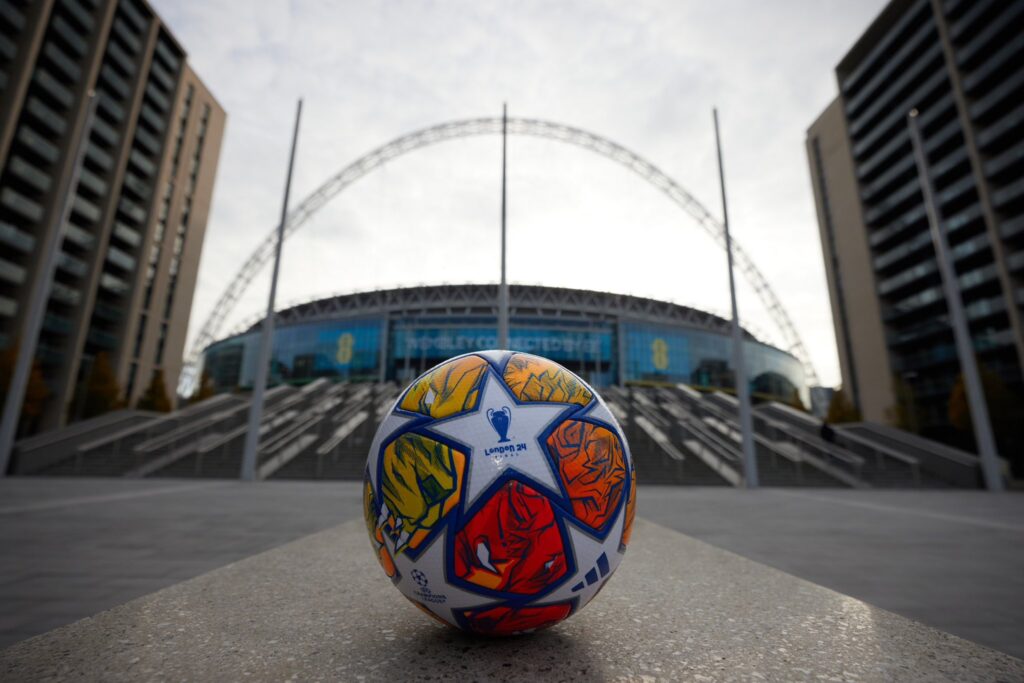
951,560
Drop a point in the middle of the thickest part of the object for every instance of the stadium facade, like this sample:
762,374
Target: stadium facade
397,334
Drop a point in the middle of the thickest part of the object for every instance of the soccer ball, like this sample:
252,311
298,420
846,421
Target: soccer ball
499,493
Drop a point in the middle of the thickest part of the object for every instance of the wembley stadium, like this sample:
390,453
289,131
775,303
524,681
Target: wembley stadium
608,339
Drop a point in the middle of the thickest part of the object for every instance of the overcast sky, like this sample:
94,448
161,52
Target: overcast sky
645,74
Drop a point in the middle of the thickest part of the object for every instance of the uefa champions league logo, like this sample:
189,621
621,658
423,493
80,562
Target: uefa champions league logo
500,420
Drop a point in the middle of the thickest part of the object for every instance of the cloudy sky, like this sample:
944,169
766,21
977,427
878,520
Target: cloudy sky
645,74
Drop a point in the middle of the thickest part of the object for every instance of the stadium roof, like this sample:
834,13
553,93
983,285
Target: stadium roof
526,301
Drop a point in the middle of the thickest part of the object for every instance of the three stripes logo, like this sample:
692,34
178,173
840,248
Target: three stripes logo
592,576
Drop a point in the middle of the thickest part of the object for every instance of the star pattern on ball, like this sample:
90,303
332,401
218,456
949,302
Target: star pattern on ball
519,449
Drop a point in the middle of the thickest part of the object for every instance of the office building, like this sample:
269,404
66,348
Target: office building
961,65
130,251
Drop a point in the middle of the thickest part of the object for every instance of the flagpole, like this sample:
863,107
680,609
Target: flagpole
252,436
503,287
961,333
750,478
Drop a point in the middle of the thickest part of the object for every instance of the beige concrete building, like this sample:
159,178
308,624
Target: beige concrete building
130,254
863,358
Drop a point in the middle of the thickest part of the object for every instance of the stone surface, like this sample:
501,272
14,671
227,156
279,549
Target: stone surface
321,609
950,559
75,547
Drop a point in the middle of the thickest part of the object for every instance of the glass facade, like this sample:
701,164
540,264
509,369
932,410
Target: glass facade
351,349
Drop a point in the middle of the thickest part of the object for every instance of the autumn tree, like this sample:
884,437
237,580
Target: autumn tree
155,396
1004,410
102,392
841,409
36,391
903,413
204,389
796,402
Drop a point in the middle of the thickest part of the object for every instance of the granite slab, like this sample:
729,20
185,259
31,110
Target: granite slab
677,609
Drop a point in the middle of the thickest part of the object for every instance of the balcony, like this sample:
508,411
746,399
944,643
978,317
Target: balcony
63,62
118,84
63,294
139,160
156,97
151,117
121,58
120,259
71,265
884,102
877,53
99,157
46,116
103,340
1008,194
56,324
80,14
92,182
114,285
881,78
29,173
126,234
137,186
108,313
8,307
12,15
105,132
111,109
13,237
163,51
979,44
884,128
126,35
75,235
993,64
54,88
86,209
132,210
11,272
21,204
138,24
69,35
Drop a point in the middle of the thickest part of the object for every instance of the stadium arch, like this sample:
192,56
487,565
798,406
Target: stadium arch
463,128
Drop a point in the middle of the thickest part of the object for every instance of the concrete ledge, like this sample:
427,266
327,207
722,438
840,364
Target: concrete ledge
321,609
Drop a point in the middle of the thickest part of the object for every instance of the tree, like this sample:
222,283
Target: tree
903,413
36,391
204,390
102,392
841,409
1003,409
155,396
796,402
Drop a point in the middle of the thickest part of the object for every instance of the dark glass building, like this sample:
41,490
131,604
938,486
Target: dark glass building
606,338
960,63
130,251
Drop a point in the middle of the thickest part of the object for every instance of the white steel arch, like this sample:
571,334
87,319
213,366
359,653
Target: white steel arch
490,126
